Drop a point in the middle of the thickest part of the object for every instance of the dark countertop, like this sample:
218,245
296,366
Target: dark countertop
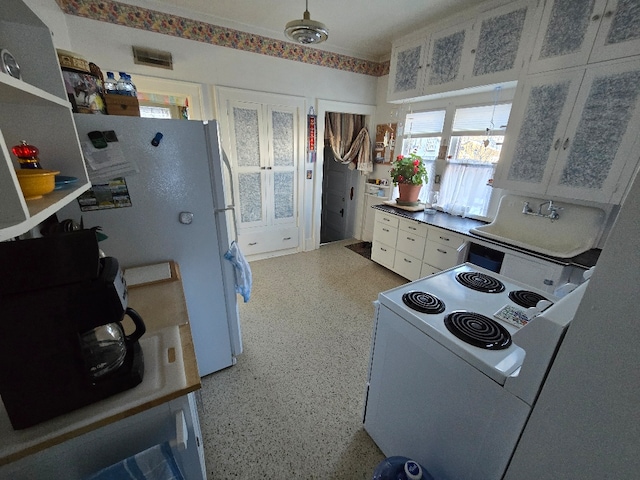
463,225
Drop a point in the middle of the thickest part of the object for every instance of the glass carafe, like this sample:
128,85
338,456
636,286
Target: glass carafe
104,348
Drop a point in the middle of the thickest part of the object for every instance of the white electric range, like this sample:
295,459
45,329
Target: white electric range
457,361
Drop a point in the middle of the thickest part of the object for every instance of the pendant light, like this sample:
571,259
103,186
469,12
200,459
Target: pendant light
306,31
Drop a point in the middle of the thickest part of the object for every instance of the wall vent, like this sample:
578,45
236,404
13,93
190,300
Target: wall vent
152,58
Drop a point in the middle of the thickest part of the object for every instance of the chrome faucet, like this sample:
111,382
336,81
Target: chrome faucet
551,208
550,202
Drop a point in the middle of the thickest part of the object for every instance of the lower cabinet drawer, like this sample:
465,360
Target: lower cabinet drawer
440,256
446,238
428,270
410,243
382,254
252,243
386,234
407,266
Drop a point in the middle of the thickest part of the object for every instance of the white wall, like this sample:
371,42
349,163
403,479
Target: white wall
585,423
109,47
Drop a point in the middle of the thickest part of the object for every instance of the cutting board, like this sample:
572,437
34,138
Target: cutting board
416,208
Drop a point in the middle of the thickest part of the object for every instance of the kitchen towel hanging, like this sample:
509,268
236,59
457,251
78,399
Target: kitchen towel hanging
242,269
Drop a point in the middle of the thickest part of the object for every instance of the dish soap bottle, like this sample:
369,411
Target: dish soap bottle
27,155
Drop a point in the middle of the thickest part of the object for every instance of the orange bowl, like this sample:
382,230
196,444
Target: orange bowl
36,182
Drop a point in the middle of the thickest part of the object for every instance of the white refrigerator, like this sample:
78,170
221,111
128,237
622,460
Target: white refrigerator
179,211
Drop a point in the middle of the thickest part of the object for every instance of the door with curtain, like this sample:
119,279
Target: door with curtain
264,149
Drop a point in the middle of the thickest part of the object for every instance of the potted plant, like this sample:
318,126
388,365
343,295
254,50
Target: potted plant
409,173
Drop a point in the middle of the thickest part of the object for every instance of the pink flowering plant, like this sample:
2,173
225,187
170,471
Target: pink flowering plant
409,169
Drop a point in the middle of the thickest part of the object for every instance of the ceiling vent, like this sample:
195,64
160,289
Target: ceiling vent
152,58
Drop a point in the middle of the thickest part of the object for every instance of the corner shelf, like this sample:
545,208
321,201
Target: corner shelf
35,109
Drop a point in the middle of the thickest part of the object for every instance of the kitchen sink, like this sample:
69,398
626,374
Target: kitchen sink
575,231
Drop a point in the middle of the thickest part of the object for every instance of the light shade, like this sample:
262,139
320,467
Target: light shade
306,31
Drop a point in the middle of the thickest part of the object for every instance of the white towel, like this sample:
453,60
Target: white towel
244,280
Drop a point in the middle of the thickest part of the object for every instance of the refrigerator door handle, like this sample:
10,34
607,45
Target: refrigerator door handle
233,214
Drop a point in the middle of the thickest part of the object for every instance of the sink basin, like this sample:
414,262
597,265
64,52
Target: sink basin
576,231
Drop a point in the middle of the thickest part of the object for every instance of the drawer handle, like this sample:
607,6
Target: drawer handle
286,238
253,243
383,249
412,239
385,230
386,220
413,228
547,281
408,261
442,251
444,238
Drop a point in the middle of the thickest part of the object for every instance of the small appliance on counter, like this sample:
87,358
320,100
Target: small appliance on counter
62,342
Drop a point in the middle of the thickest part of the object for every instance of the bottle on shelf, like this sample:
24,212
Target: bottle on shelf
110,84
132,86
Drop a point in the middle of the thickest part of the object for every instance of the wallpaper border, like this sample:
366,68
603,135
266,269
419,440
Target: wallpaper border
153,21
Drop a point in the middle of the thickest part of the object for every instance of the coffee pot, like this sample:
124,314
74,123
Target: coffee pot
104,347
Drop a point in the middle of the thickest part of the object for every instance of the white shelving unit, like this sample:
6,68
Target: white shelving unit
36,109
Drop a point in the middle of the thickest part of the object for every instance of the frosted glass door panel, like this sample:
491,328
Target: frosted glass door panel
283,139
540,113
499,43
446,58
567,33
283,193
247,136
406,75
619,33
251,199
600,138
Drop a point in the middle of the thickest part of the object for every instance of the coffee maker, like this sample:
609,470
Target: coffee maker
62,343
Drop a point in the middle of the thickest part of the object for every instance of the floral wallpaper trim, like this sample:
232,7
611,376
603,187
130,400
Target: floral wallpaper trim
176,26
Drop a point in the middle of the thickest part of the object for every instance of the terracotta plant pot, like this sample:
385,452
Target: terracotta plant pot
408,193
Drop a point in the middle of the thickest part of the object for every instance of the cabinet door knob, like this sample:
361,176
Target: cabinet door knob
556,145
608,13
473,51
595,18
546,281
565,144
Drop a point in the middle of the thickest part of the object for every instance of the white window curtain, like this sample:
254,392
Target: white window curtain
464,189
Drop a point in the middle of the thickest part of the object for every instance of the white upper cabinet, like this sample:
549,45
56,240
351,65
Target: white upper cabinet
36,109
577,32
406,72
500,42
488,49
574,133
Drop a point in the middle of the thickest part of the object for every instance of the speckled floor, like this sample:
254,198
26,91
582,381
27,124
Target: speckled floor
292,406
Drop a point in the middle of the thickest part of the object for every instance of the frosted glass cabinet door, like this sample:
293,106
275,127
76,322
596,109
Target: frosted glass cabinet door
539,116
619,33
406,73
597,152
282,144
567,33
447,50
499,49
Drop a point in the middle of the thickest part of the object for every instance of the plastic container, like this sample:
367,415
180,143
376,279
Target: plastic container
400,468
